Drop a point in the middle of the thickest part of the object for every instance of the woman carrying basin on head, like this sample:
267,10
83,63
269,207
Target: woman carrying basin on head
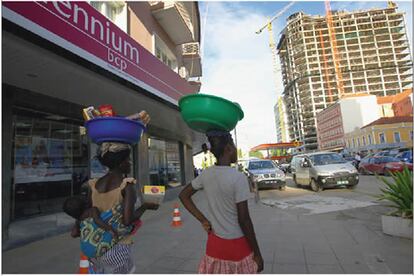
115,192
231,246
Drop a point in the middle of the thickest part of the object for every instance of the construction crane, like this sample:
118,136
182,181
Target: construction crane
325,66
335,55
272,43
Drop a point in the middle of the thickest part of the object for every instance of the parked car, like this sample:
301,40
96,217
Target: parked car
391,153
382,165
405,156
265,174
321,170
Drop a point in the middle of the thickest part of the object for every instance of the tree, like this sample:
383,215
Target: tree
257,154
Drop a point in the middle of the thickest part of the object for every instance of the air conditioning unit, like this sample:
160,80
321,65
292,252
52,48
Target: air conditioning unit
183,72
192,48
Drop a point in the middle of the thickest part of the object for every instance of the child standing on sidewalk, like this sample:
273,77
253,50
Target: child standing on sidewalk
231,246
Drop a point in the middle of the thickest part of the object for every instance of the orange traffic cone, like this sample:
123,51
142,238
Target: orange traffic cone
176,217
83,264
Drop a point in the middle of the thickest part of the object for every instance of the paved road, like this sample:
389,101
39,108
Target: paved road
368,185
335,231
303,201
294,236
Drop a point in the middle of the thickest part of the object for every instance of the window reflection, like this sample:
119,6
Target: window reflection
50,163
164,162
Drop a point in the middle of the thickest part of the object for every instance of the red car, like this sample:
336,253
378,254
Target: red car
382,165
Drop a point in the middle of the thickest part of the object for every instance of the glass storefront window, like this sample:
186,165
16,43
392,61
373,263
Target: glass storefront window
164,162
50,163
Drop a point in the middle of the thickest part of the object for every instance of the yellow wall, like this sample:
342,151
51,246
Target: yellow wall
403,128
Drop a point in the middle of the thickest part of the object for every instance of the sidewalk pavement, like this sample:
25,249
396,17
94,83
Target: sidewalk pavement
23,232
349,241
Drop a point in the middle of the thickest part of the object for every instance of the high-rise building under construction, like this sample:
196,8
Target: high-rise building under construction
370,54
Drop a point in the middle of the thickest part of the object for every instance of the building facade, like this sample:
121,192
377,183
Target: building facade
384,133
374,57
330,128
282,132
60,57
347,114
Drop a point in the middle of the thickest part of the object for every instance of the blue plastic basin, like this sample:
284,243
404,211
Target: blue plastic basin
114,129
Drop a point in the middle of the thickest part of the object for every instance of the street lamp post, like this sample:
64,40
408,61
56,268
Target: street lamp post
235,141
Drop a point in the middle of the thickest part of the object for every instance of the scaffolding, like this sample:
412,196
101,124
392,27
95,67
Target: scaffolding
373,56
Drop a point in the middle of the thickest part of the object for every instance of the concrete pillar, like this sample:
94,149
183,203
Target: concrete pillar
183,161
143,161
189,166
7,132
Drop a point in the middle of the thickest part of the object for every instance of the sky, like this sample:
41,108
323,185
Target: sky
237,63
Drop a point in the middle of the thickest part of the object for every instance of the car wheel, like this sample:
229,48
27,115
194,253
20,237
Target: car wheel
315,186
362,170
386,172
351,187
282,188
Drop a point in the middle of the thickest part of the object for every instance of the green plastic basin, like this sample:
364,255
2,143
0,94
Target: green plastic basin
204,112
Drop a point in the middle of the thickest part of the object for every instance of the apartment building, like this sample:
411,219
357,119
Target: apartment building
373,56
344,116
282,134
60,57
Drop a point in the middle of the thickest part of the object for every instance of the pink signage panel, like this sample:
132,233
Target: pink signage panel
78,27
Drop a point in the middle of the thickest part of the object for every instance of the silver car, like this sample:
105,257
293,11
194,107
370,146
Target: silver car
265,174
321,170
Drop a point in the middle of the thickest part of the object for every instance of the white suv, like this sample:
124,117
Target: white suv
264,174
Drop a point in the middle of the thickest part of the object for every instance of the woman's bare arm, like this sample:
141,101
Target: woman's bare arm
246,226
185,197
130,197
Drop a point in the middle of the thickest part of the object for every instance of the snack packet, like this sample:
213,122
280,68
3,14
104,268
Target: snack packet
88,113
153,194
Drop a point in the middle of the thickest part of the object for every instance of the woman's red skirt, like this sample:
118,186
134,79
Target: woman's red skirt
227,256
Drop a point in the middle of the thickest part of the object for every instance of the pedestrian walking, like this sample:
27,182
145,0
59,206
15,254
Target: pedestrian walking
115,191
108,192
231,245
357,159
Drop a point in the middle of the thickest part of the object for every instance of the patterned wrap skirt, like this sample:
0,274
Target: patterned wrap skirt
117,260
224,256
